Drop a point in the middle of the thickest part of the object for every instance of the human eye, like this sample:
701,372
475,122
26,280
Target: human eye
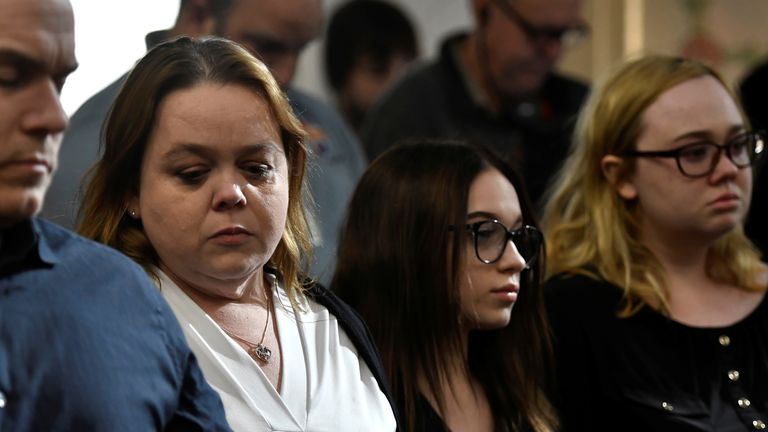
484,228
696,152
487,232
258,170
9,76
739,144
193,175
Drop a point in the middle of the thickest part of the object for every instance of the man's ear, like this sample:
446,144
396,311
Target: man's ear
614,171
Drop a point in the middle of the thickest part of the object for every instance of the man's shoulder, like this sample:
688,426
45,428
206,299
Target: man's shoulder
301,97
94,110
435,80
420,85
75,251
311,108
419,92
330,136
417,106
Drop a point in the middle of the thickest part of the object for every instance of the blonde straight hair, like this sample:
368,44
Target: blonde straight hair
590,230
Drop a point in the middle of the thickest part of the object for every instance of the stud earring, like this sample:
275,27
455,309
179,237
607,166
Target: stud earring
132,212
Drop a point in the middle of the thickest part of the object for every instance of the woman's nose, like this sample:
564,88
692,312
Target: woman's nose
724,167
511,259
228,195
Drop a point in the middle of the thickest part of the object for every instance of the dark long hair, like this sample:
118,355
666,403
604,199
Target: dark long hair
395,268
172,66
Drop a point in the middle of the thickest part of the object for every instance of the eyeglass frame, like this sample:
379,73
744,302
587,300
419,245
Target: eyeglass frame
509,235
758,138
542,34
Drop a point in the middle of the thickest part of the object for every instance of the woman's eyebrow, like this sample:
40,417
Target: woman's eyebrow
481,214
207,152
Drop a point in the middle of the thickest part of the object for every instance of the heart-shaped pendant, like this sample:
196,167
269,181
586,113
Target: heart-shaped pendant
262,353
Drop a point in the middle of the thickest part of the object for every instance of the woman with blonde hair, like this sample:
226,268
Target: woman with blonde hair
656,298
201,183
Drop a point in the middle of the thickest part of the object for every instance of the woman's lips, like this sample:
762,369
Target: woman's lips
232,236
507,292
726,201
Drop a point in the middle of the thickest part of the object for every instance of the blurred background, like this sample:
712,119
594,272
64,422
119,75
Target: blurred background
730,35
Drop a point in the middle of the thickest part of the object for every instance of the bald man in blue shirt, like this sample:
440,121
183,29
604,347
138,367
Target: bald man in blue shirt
86,341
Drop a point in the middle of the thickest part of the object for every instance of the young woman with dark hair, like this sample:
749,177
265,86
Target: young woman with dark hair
439,246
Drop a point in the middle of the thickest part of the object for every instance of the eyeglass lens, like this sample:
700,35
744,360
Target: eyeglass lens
701,159
491,241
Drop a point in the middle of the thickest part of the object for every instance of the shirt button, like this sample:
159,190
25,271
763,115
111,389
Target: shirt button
744,402
2,400
724,340
758,424
667,406
733,375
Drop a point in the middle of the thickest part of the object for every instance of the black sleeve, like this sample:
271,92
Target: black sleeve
576,306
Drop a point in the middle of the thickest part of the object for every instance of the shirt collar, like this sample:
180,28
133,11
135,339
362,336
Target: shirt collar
24,245
44,249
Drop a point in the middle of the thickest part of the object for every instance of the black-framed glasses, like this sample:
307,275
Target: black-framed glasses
700,159
567,36
490,238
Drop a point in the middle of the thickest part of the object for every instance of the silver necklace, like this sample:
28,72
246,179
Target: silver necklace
258,350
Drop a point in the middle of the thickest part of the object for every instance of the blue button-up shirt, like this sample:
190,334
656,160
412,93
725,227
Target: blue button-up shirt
88,344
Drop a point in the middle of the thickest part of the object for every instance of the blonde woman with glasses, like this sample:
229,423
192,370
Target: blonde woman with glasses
656,298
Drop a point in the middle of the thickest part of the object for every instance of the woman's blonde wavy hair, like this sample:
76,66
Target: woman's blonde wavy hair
172,66
590,229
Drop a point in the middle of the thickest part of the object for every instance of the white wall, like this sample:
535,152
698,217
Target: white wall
109,37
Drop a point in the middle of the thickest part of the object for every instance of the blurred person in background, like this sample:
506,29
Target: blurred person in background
495,84
369,44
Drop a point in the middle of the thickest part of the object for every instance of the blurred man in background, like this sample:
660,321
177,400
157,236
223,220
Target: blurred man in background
369,44
495,86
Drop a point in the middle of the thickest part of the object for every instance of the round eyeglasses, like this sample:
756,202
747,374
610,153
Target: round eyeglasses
700,159
490,238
